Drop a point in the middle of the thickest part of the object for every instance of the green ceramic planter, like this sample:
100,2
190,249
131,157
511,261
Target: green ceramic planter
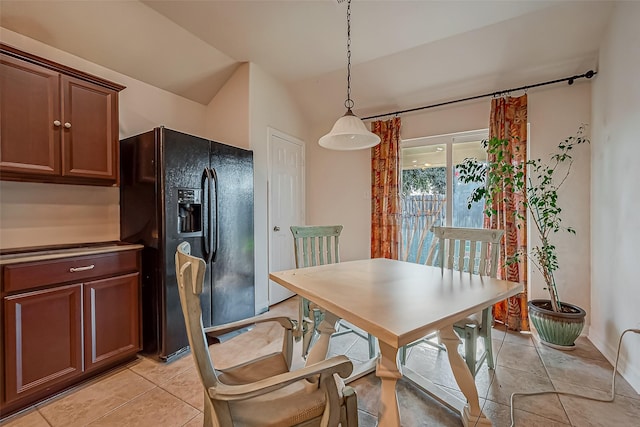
558,330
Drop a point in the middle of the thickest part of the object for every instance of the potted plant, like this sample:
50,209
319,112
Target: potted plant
537,183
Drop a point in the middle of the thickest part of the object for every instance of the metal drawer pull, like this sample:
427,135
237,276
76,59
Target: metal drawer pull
76,269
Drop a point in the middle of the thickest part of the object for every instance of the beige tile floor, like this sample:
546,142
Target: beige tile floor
147,393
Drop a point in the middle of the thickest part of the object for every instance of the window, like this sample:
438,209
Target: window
431,193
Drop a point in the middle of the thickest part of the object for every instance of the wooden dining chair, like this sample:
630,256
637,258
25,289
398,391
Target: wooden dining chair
261,391
319,245
473,250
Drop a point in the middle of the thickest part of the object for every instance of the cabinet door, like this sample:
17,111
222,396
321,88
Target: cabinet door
42,338
112,324
90,130
30,121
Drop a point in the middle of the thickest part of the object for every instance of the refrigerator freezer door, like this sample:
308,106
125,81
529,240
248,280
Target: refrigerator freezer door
233,273
183,159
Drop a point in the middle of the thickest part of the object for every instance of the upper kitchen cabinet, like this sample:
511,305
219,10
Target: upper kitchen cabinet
57,124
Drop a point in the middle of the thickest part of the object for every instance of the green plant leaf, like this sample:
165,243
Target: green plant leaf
504,178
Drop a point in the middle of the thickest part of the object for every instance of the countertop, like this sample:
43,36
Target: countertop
42,254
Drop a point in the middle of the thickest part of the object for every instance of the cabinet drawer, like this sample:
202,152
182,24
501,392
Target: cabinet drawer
29,275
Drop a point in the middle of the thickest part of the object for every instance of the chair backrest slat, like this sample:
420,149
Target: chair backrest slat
483,256
316,244
449,249
462,248
472,256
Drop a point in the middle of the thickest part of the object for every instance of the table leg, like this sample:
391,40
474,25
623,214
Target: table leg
388,372
319,350
472,415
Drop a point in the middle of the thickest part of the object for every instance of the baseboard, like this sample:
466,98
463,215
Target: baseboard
628,370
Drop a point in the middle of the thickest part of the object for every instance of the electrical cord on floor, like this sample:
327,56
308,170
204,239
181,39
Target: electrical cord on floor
563,393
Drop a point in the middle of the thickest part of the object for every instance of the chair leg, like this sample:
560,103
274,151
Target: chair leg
372,346
311,334
351,404
302,327
403,355
470,337
304,323
489,349
307,335
487,323
438,340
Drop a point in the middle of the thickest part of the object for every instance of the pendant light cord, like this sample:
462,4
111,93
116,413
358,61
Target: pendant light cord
349,133
348,102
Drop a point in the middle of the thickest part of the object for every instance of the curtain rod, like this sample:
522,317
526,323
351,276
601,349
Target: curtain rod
571,79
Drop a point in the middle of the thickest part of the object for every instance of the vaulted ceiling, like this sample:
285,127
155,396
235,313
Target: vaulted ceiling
404,53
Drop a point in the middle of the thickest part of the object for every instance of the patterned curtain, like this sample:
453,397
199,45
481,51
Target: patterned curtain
385,190
509,121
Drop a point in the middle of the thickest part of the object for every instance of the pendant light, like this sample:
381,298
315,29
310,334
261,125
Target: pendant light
349,132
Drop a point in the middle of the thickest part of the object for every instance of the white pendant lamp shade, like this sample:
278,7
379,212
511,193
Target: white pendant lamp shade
349,133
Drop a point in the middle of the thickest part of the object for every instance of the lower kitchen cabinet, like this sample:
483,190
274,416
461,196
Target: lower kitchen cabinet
65,320
43,336
111,313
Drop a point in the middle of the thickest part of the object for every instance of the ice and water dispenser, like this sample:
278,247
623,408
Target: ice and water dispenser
190,212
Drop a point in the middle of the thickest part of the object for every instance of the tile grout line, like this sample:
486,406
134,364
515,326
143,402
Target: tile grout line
191,419
77,389
547,377
120,406
128,400
493,378
544,365
181,399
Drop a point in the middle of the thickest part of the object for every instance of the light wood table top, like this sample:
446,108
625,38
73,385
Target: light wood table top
400,302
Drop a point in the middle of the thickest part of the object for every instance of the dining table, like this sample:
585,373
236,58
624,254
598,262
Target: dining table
400,302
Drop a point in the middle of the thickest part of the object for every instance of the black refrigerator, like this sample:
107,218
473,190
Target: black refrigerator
176,187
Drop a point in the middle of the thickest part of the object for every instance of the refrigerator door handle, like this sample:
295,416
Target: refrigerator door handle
207,242
215,245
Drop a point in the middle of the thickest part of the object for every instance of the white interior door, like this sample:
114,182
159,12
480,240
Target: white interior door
286,204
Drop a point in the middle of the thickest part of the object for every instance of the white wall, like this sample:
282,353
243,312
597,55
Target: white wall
615,291
36,214
271,105
227,118
555,114
338,188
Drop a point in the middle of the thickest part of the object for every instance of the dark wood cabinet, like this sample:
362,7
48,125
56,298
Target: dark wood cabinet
111,313
57,124
65,319
30,97
42,339
89,130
